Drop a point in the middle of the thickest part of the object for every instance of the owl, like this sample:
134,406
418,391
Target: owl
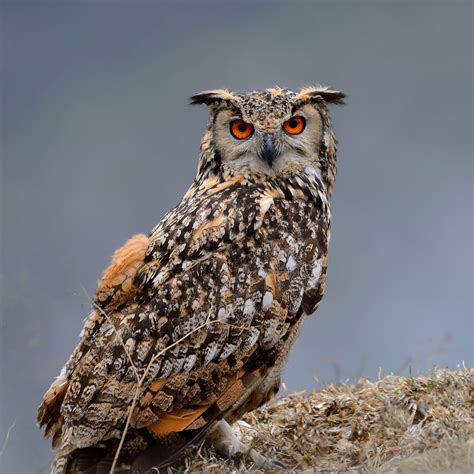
192,323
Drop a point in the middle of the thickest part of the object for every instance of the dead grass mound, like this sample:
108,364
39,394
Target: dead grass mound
395,424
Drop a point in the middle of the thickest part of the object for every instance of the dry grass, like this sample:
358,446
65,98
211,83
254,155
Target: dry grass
396,424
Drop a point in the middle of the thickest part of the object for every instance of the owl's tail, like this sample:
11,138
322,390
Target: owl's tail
163,443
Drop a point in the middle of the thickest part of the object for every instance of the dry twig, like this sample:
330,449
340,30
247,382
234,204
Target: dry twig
7,437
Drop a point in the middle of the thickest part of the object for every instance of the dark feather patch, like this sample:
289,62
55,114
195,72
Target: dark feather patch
165,452
331,96
212,98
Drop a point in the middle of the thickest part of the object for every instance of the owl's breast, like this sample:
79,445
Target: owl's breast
285,256
291,243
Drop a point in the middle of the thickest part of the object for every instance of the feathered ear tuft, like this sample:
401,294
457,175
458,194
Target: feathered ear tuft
213,98
318,93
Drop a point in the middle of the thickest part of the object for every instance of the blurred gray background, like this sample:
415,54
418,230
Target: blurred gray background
98,142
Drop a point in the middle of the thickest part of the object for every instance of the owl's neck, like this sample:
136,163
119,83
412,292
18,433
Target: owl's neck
303,179
306,183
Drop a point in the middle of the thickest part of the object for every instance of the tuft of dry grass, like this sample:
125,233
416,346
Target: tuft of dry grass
395,424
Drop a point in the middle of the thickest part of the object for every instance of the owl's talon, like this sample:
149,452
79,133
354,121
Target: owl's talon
227,444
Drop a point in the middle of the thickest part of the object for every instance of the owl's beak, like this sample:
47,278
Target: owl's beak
268,152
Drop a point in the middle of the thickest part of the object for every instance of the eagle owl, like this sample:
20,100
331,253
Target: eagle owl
192,323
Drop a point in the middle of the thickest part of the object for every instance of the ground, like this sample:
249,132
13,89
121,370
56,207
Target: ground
392,425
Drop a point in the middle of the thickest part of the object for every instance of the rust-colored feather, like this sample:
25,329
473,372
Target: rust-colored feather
49,412
116,284
175,421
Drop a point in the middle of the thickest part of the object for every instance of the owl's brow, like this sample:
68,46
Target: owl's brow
237,114
298,106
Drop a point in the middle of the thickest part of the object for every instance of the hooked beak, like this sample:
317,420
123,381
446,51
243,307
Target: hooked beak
268,152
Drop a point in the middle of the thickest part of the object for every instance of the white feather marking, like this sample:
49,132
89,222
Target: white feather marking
227,350
221,315
251,339
189,362
315,274
267,300
249,308
290,263
210,352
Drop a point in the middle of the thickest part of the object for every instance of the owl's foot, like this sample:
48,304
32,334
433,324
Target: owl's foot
227,444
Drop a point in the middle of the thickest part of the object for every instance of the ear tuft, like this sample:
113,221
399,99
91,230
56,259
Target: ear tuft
212,98
317,93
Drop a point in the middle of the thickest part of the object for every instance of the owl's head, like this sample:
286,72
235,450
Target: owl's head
268,133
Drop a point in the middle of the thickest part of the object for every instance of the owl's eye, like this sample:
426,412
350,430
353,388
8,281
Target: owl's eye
294,125
240,129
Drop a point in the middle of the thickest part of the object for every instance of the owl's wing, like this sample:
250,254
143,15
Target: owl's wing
180,320
114,288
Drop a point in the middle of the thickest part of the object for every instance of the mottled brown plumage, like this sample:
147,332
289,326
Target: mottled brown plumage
206,307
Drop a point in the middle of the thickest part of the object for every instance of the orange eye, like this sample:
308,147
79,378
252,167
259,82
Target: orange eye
294,125
240,129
